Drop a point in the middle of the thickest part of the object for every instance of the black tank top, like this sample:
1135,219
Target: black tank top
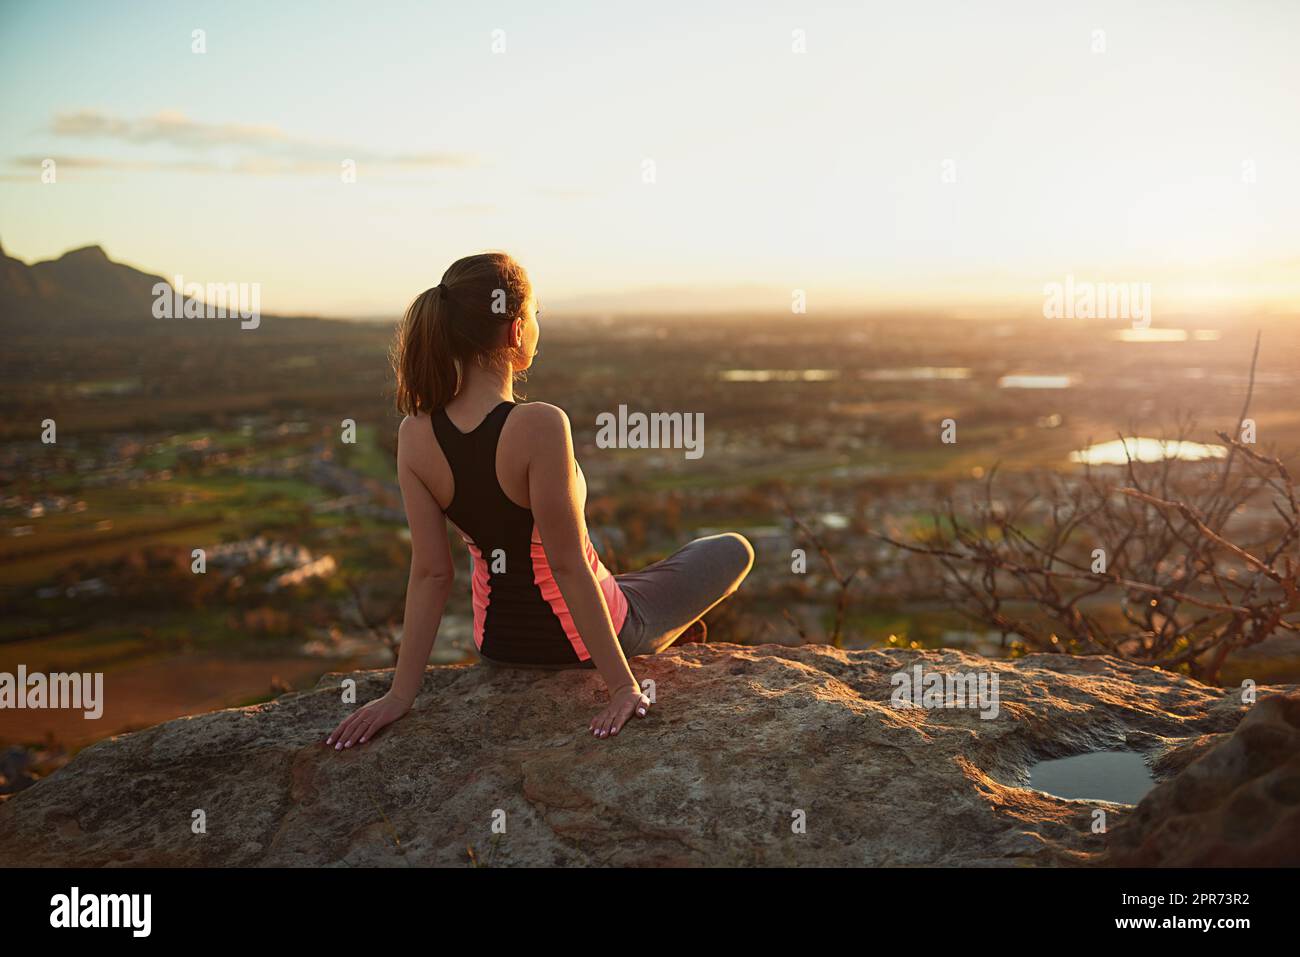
513,621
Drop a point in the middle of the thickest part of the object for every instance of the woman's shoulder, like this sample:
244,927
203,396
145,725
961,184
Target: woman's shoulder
539,429
541,415
414,435
412,423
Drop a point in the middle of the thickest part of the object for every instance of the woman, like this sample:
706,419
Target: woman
505,475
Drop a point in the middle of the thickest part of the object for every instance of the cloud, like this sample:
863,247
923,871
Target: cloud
246,149
66,161
165,127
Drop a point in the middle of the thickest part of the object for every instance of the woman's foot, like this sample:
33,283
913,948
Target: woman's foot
696,633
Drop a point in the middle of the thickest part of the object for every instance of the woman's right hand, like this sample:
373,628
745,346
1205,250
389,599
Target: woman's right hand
361,725
623,703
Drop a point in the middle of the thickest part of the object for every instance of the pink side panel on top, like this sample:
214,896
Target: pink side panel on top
478,591
546,584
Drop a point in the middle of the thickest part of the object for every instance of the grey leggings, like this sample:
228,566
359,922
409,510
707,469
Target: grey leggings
667,597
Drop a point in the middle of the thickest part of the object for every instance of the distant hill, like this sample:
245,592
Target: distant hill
85,289
81,284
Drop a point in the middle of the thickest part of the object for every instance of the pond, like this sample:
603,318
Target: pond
778,375
1035,382
916,374
1139,449
1153,334
1122,777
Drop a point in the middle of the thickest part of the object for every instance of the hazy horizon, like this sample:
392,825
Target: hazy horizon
933,157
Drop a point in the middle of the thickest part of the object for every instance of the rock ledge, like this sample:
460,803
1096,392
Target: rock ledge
742,740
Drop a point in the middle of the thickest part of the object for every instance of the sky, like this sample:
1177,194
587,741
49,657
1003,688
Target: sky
921,154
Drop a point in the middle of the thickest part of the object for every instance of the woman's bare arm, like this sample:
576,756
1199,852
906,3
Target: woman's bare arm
556,506
427,589
429,583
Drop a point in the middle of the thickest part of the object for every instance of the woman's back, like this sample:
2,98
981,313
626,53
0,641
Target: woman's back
481,480
507,478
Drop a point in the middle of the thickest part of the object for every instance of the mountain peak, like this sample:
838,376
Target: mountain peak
91,252
82,283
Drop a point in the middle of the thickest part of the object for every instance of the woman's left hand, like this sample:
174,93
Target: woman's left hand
361,725
623,703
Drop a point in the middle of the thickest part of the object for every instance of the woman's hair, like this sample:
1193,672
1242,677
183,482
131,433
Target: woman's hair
457,322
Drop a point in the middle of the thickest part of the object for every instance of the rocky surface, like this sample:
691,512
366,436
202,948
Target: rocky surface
1237,803
744,745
